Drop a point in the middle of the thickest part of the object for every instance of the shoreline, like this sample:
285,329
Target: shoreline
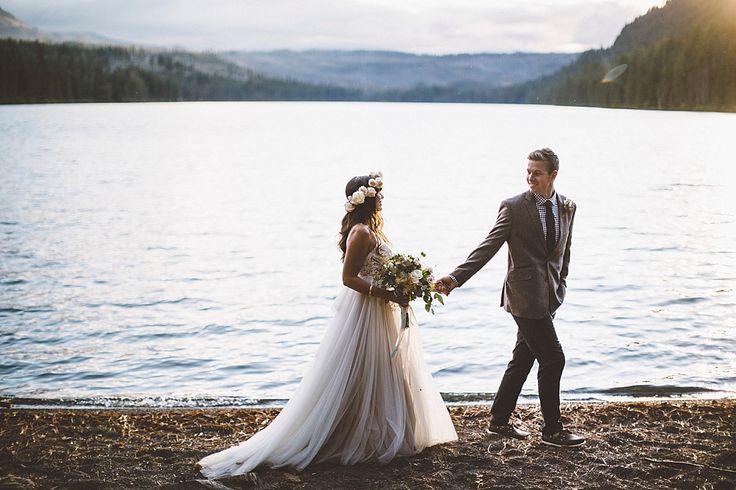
635,444
451,399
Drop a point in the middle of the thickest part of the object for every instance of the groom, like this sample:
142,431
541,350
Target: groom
537,226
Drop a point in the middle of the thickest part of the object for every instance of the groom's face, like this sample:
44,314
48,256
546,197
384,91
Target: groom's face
539,179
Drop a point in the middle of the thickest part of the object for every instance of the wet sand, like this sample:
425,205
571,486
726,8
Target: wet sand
633,445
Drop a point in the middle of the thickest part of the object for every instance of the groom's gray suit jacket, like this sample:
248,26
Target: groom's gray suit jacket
535,282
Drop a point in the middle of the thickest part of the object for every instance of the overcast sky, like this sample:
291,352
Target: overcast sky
417,26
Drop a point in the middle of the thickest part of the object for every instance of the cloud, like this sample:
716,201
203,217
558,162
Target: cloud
420,26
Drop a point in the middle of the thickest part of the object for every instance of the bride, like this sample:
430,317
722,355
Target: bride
356,402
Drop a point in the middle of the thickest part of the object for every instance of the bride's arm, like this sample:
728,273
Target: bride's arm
359,244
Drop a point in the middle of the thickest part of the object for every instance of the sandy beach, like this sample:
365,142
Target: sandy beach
665,444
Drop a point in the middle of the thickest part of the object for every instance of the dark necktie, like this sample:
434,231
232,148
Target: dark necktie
550,220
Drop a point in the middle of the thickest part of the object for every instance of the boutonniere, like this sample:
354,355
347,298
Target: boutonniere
568,205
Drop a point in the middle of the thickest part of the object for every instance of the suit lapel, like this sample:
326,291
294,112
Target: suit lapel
564,222
531,208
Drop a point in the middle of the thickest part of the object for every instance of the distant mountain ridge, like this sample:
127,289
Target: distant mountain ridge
376,71
6,18
368,71
13,28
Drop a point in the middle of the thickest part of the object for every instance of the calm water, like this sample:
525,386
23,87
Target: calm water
185,253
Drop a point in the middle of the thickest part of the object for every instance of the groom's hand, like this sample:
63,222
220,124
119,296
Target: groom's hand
445,285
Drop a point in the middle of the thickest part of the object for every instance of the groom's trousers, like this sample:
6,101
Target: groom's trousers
535,339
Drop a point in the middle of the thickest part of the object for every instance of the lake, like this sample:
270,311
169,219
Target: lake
184,254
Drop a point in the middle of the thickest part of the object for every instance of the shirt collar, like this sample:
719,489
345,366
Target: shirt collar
541,200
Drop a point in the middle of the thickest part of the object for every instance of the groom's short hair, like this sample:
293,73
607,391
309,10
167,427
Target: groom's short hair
548,156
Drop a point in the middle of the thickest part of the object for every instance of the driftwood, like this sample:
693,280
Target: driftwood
686,463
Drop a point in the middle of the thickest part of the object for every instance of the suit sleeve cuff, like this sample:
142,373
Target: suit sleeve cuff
454,279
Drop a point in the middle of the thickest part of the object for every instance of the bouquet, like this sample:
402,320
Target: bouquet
409,278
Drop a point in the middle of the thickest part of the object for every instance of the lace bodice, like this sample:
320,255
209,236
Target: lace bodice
374,261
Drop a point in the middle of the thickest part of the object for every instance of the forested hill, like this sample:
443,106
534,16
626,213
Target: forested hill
673,20
33,71
679,56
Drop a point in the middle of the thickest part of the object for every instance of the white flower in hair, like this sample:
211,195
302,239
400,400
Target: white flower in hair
376,180
375,183
357,198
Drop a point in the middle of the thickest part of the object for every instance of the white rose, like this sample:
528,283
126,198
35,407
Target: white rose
372,182
379,182
370,192
363,189
416,274
349,207
358,197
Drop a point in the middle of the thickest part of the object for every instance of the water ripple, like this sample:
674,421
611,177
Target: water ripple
653,390
681,301
12,282
144,304
12,310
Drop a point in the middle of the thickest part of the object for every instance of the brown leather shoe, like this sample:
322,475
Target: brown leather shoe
563,438
507,430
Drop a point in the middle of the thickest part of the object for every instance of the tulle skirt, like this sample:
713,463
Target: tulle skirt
355,403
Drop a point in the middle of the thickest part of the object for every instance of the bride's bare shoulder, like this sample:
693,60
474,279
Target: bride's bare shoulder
361,234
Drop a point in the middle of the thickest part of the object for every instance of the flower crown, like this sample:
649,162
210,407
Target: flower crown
375,184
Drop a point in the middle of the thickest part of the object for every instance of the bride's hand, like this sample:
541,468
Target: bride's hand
397,298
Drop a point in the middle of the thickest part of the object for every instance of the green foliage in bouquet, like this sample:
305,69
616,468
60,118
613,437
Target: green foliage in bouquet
406,274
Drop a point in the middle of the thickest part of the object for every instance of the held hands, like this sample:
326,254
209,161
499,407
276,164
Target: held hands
445,285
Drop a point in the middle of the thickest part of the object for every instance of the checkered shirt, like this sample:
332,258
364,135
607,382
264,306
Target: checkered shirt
543,213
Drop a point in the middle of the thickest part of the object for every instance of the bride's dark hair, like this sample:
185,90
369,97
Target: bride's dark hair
365,213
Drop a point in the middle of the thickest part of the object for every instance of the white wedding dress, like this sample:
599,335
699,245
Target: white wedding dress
355,403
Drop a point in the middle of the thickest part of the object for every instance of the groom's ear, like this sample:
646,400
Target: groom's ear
553,174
